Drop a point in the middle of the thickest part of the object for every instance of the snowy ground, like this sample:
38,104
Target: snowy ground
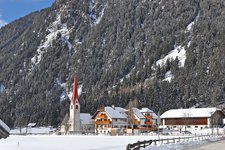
89,142
212,146
55,142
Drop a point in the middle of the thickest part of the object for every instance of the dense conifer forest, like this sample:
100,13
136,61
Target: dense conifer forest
160,54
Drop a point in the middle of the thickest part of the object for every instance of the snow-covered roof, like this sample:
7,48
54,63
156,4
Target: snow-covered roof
3,125
85,118
31,124
154,116
138,113
120,109
189,113
116,112
147,110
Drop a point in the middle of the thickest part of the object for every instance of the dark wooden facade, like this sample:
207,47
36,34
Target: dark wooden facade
216,119
186,121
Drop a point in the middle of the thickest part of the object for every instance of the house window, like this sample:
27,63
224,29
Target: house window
188,126
115,119
196,126
76,106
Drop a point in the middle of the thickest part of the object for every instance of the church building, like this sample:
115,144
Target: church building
76,122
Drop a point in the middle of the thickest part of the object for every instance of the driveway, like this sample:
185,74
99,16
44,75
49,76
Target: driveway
212,146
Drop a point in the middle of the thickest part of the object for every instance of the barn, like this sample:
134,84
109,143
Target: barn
4,130
193,118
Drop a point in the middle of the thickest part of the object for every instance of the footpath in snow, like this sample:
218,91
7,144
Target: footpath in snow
194,145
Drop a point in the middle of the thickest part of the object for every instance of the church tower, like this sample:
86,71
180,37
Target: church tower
75,109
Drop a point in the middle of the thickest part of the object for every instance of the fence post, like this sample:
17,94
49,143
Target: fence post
150,142
139,144
128,147
144,144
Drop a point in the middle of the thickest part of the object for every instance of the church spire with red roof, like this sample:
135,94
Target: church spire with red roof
75,91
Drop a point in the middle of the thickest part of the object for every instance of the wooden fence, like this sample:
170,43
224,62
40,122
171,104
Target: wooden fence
143,144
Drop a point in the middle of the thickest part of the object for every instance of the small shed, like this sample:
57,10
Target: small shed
4,130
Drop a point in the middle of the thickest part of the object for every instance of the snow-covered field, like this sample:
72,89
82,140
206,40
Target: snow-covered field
55,142
86,142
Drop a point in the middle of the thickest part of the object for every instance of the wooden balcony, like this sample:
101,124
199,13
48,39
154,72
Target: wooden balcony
148,116
136,122
102,122
102,116
148,122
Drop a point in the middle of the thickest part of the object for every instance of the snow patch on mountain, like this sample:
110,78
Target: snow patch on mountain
100,17
190,25
190,29
132,71
178,52
94,16
2,88
54,30
65,92
70,93
168,76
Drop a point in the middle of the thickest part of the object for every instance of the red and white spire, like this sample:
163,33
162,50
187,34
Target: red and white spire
75,91
75,108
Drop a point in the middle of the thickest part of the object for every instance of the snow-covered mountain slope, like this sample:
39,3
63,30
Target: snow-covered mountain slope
159,54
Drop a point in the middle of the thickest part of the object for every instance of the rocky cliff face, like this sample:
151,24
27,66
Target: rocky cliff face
155,53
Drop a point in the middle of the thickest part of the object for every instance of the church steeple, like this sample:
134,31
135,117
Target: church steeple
75,91
75,109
